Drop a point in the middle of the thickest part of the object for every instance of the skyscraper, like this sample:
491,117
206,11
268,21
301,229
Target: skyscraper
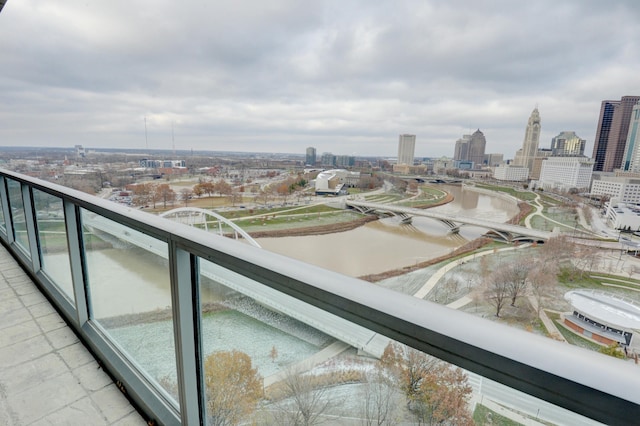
471,148
406,149
461,152
529,151
310,158
567,144
631,158
477,144
611,134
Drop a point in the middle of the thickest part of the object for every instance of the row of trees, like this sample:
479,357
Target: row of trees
221,187
434,392
152,193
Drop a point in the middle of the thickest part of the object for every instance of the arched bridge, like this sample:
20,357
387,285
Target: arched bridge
503,231
196,216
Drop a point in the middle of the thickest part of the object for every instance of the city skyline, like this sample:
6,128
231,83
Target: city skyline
284,76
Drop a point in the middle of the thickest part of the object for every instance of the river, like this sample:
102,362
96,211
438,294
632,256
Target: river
386,244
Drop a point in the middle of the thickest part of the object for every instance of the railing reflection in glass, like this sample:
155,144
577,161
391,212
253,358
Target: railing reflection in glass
17,215
54,249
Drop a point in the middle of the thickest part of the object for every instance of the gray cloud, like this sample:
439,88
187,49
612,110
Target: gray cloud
281,75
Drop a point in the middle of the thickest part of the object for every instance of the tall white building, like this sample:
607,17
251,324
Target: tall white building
406,149
564,173
631,157
529,151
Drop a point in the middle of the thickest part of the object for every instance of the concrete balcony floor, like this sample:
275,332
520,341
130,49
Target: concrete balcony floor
47,376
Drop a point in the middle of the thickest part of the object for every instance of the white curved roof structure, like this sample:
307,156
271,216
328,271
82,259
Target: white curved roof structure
192,212
606,308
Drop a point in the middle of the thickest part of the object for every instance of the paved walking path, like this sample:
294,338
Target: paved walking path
433,279
47,376
548,323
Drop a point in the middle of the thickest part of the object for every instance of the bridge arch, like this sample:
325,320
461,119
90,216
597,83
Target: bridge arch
189,216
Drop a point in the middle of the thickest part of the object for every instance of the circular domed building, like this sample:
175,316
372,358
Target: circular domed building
604,317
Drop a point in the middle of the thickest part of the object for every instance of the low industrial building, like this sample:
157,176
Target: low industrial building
604,317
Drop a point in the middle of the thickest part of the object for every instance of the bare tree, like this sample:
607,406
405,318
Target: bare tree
263,197
304,402
154,193
586,257
497,289
380,399
516,275
557,250
185,195
236,197
542,281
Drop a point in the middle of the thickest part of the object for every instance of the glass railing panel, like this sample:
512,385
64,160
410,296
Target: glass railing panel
18,215
130,295
54,250
271,359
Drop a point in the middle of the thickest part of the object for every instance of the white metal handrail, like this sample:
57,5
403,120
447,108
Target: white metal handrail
596,386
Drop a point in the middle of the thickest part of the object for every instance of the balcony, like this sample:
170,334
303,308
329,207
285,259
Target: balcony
153,299
46,374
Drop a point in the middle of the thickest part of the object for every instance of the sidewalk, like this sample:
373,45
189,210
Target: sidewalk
47,376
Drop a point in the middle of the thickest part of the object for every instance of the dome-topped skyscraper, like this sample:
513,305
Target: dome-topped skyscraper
477,144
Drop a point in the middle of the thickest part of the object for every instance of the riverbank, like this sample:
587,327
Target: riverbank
460,251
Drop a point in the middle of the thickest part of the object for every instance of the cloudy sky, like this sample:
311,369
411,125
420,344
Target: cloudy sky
280,75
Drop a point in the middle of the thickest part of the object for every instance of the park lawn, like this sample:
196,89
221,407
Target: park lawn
433,191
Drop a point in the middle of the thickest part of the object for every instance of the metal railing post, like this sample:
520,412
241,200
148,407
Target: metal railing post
75,243
6,212
184,271
32,229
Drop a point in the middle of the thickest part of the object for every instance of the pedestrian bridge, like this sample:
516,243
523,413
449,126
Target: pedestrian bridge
502,231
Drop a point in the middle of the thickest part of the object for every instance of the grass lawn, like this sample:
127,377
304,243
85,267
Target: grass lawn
522,195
